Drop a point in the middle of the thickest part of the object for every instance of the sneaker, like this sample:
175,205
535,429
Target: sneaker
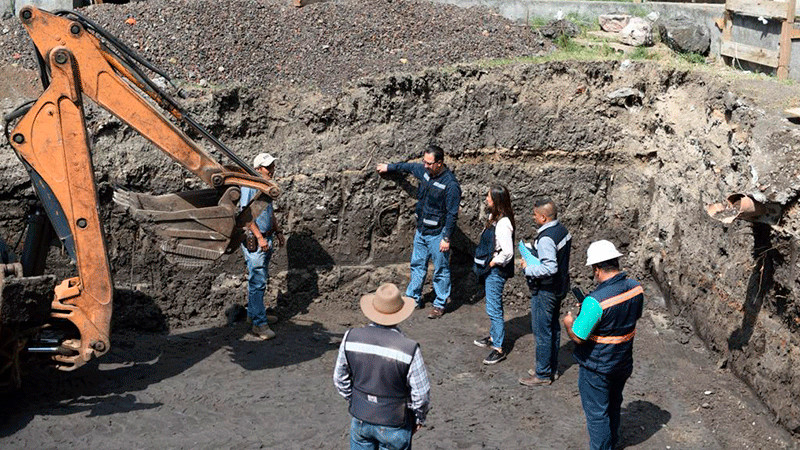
533,380
532,372
494,357
436,313
483,343
263,332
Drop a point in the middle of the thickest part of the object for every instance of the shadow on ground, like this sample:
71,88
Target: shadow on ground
138,360
640,421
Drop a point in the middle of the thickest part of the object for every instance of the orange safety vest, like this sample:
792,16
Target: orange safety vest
608,303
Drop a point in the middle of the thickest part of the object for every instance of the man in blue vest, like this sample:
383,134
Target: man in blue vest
264,229
438,198
549,284
604,341
382,374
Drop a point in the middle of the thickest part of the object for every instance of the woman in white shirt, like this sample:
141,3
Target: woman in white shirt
501,267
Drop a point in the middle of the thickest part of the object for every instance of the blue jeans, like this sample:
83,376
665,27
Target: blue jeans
545,310
601,397
366,436
493,286
425,248
257,276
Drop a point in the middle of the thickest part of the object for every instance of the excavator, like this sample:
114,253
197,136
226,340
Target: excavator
69,320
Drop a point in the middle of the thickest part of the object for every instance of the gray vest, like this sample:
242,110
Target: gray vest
379,360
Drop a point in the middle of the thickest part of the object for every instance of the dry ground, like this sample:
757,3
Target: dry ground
217,387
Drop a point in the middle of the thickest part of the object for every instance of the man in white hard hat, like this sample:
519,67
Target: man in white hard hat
604,348
382,374
260,236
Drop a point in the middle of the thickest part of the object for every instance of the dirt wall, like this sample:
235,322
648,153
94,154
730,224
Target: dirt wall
636,168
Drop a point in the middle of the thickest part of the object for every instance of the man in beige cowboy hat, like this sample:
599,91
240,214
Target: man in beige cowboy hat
382,374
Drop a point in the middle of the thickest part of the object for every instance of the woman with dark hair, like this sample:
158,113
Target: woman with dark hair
494,264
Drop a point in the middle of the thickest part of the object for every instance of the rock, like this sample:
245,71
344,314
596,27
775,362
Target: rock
652,17
683,35
613,23
637,33
558,28
626,97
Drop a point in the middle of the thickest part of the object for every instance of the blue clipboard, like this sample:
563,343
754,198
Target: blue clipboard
527,256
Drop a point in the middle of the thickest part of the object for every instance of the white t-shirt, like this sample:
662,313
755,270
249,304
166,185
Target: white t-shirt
503,242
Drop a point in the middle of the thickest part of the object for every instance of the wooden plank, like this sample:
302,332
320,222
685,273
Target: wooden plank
785,49
726,32
768,9
744,52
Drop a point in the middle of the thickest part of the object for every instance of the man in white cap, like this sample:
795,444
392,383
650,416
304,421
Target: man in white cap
262,231
382,374
604,341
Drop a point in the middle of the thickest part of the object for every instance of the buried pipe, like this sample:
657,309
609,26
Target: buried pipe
744,207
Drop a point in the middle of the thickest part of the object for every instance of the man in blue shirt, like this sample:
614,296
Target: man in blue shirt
549,284
604,341
438,199
264,228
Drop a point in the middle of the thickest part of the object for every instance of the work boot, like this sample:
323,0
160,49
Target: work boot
272,320
532,372
263,332
533,380
435,313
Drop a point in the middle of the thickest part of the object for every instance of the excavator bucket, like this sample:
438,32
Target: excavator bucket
196,227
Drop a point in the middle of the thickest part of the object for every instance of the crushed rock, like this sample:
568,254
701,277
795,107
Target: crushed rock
324,45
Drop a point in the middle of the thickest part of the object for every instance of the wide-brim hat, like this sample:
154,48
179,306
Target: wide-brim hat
387,306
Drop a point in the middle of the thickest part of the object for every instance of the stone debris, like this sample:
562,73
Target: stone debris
638,33
613,23
683,35
326,44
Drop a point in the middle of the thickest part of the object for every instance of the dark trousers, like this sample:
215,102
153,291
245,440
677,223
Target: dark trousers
601,397
545,310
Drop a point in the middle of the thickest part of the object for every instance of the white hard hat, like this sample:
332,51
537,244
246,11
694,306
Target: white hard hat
263,160
600,251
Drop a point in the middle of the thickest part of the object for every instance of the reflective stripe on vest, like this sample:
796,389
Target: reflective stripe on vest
613,339
613,301
617,299
377,350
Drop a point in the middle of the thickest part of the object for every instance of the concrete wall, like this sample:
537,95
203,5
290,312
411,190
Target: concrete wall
746,31
13,6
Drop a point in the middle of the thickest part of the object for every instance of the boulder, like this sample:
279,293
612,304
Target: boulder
684,35
613,23
637,33
558,28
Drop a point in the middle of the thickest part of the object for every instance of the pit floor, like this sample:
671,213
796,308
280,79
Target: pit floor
220,388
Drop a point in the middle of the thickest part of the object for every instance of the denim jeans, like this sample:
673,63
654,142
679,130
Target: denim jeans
425,248
545,310
366,436
493,286
601,397
257,270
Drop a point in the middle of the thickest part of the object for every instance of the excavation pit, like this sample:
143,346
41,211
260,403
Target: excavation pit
637,169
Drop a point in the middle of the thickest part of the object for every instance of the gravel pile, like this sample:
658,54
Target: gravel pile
323,45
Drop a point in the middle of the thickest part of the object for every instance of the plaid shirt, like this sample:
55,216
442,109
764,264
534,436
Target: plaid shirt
420,398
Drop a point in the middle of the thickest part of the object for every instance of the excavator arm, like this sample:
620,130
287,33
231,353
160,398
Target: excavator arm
52,143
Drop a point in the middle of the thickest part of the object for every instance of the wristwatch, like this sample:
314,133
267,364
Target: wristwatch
446,239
